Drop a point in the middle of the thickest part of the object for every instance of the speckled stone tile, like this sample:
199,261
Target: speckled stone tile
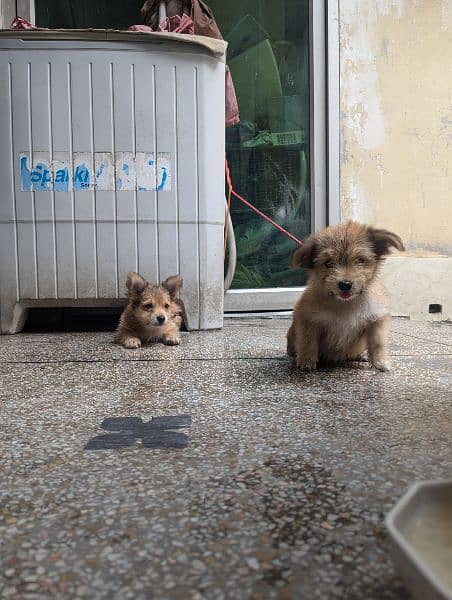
440,332
240,338
280,493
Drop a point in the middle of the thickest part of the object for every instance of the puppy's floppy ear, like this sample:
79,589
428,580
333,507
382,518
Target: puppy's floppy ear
173,285
135,283
382,241
305,254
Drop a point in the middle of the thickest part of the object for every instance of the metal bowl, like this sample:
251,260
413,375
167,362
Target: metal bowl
421,576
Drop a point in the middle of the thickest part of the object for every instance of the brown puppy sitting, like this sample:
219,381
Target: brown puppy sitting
153,313
345,308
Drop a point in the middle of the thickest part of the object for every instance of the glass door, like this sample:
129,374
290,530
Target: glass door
269,150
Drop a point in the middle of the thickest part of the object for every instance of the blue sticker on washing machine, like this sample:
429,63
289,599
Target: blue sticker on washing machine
102,171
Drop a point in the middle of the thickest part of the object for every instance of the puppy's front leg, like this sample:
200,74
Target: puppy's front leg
377,344
171,336
306,345
291,341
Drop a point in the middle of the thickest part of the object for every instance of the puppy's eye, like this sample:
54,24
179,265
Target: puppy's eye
167,305
329,264
148,306
360,261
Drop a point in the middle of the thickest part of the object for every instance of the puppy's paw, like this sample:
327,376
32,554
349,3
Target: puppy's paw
131,342
173,340
306,365
382,365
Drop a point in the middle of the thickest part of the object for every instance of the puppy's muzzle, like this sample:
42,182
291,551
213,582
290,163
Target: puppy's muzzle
161,319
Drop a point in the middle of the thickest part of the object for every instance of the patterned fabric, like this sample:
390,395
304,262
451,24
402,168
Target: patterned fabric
177,24
19,23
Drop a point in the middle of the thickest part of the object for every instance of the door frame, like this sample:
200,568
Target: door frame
324,150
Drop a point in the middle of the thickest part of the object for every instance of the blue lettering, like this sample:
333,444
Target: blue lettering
25,175
163,181
100,171
81,177
42,178
61,183
61,176
36,174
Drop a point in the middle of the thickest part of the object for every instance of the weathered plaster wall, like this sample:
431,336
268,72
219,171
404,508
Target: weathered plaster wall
396,118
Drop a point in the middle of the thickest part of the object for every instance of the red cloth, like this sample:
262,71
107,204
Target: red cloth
177,24
150,10
232,107
19,23
174,24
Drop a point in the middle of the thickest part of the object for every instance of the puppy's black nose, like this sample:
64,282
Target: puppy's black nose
161,319
345,286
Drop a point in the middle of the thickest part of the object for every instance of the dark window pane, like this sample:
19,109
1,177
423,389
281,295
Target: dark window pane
81,14
268,152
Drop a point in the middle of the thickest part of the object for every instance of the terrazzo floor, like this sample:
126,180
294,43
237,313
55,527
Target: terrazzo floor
276,488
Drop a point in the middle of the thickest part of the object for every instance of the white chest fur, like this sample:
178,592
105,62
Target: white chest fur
345,323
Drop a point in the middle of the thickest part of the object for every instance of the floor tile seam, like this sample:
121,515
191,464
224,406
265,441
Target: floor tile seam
217,359
415,337
140,360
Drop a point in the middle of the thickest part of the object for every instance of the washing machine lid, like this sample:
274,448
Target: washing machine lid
215,47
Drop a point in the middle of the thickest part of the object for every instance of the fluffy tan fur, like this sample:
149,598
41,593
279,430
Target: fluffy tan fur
345,309
153,313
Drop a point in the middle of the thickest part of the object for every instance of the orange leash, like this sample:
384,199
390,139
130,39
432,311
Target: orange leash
232,192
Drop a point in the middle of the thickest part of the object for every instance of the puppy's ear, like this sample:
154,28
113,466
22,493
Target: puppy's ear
135,283
382,241
305,254
173,285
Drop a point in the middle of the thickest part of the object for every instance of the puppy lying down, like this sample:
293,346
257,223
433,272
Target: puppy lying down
345,309
153,312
